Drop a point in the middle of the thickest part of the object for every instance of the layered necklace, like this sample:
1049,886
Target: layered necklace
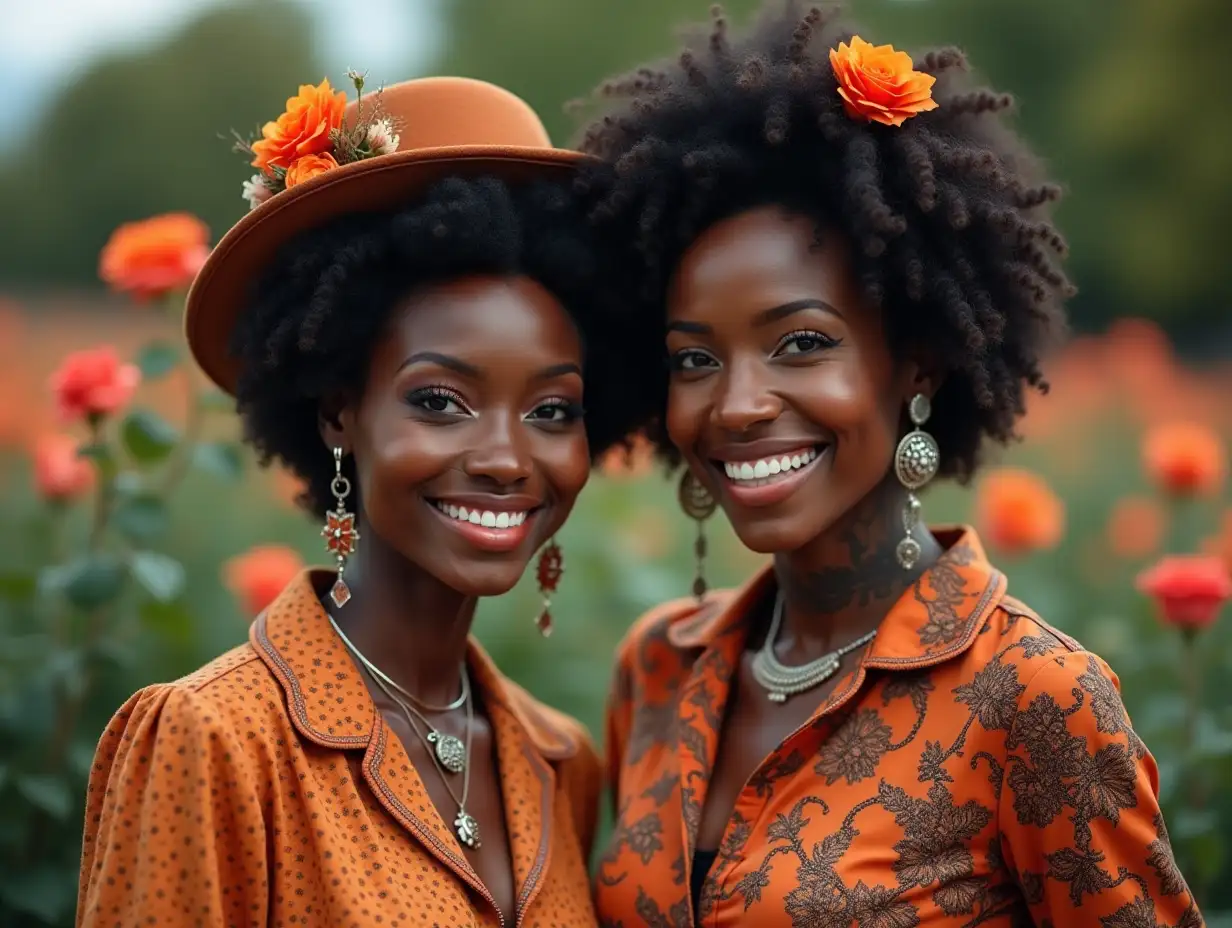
449,754
780,681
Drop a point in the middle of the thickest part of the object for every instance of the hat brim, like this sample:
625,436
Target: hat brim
224,284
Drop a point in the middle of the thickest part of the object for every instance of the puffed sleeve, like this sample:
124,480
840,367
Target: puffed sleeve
1079,811
174,831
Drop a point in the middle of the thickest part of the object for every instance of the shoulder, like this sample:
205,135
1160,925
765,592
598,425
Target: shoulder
1052,666
210,703
672,624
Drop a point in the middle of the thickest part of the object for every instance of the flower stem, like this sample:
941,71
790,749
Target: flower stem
181,457
1192,670
102,498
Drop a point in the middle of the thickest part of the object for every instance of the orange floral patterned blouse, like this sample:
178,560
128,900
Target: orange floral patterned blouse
977,768
266,790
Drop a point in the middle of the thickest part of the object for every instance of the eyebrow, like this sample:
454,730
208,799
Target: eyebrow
765,317
469,370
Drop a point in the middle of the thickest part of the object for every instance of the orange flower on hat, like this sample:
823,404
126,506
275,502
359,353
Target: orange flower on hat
305,128
260,574
1018,512
1185,458
59,472
1188,590
879,84
155,256
93,383
309,166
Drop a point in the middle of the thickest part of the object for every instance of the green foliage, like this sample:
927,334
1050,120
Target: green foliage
84,596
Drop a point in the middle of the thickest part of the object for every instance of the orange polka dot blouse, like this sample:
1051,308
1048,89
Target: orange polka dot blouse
976,769
266,790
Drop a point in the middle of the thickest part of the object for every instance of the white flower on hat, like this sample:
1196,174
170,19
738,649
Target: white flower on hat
382,140
257,190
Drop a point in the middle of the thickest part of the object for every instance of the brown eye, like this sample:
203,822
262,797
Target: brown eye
804,342
440,401
690,359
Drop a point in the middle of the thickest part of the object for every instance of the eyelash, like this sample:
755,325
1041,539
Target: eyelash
677,361
436,391
572,411
823,340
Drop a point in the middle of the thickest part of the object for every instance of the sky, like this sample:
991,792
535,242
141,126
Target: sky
43,43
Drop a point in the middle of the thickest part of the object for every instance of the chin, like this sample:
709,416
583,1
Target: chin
481,579
776,535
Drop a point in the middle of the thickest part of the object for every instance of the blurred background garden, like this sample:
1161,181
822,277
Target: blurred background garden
139,539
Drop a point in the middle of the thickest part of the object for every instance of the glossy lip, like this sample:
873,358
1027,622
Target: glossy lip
764,448
497,540
777,489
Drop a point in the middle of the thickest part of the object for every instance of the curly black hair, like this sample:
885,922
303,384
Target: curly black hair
321,306
947,214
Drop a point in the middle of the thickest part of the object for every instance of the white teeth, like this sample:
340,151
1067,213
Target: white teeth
485,518
767,467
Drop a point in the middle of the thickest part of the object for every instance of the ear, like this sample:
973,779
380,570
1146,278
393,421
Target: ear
336,423
922,374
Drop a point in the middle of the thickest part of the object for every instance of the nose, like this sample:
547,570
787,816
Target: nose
744,398
503,456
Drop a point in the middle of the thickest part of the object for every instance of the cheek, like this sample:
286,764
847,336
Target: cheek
686,406
860,410
565,460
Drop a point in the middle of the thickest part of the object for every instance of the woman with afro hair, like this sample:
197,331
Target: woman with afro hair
848,279
407,320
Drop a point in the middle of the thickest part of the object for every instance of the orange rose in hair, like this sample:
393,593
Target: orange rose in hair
304,129
155,256
879,84
309,166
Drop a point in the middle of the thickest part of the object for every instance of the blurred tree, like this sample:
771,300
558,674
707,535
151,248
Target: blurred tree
1118,95
146,132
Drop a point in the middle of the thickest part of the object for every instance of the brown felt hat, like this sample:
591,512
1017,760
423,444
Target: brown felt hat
447,126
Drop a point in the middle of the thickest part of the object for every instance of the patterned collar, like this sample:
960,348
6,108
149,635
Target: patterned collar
935,619
327,698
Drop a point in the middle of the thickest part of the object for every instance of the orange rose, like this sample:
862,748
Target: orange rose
879,84
309,166
1185,459
304,129
1018,512
59,473
258,576
93,383
154,256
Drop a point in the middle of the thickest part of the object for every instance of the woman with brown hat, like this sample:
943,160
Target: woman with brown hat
404,320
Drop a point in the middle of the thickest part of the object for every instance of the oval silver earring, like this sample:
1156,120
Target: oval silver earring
916,461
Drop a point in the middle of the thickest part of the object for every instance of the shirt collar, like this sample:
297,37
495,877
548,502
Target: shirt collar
327,698
935,619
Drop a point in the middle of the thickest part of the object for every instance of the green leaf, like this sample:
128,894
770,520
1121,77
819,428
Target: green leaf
4,776
142,518
44,892
81,757
88,582
157,359
114,651
148,437
220,459
170,620
46,792
162,576
16,586
68,667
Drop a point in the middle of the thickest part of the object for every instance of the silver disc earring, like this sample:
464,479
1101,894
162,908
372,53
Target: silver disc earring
916,461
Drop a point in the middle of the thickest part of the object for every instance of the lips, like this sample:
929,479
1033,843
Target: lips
766,474
494,524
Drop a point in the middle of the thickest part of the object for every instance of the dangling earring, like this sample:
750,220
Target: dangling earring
916,462
339,532
699,505
551,568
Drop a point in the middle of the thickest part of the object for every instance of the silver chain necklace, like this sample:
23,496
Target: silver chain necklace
449,750
780,681
465,825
